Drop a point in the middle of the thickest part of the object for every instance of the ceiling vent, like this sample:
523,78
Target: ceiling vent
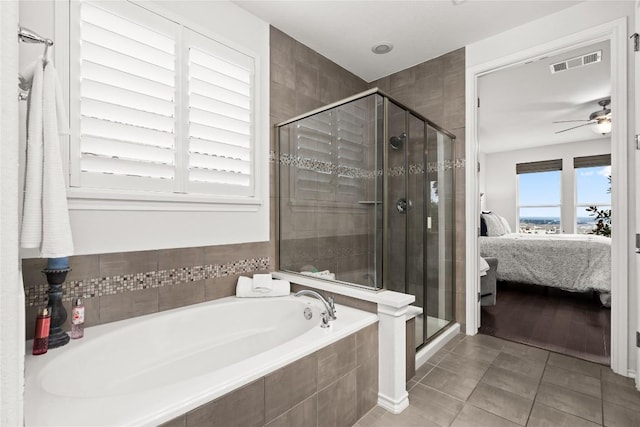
578,61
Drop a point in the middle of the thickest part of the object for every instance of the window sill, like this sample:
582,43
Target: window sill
83,199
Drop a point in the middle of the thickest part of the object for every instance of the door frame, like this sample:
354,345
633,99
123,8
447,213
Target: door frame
616,32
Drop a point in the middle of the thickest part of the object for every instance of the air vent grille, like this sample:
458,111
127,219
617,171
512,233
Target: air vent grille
578,61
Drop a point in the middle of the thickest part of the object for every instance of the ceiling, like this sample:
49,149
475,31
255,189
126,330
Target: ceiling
519,104
345,31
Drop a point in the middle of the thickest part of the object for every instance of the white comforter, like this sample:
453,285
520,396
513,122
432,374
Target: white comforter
576,262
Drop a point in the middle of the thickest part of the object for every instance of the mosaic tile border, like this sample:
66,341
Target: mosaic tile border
36,295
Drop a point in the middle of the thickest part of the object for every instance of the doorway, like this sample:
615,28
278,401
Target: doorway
545,168
615,33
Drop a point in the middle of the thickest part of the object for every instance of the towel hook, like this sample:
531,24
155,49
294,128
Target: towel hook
29,36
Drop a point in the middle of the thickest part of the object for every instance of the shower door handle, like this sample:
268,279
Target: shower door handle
403,205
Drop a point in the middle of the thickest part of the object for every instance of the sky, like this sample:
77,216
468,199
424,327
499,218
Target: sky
544,188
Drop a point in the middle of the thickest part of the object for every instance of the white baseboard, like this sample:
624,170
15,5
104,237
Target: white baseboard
390,405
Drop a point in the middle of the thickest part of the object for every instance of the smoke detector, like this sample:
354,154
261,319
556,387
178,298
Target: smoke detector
382,48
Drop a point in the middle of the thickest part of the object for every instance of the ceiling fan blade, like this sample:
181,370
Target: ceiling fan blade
570,121
575,127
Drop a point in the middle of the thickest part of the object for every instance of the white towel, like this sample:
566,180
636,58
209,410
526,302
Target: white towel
262,283
45,221
484,267
244,289
31,235
325,274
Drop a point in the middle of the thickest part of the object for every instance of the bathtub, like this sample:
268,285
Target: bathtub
151,369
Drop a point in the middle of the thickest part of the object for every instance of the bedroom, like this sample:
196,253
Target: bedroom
544,161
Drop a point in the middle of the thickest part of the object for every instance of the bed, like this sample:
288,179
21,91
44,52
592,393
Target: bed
574,262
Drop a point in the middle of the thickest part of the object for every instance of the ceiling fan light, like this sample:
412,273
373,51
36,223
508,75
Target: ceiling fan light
602,126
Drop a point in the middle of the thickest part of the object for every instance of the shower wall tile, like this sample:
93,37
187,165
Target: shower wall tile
436,89
454,114
285,99
402,78
306,80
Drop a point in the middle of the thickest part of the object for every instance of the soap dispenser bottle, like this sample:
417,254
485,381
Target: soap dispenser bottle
77,319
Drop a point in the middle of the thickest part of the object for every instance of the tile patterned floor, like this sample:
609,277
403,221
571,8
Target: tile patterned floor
486,381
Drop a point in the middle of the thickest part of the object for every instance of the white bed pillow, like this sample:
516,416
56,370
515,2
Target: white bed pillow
495,227
505,224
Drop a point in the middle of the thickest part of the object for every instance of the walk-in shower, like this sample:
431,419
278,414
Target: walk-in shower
366,198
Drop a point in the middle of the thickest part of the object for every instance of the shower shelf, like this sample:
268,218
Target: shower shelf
369,202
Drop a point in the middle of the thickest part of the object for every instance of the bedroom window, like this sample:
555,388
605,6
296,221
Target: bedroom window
593,188
160,112
539,200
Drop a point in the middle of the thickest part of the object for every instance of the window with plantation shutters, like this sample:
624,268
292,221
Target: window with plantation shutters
127,102
159,108
220,129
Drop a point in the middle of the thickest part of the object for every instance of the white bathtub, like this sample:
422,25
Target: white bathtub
151,369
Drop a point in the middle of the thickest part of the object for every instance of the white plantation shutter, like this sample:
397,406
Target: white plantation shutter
220,148
127,100
158,108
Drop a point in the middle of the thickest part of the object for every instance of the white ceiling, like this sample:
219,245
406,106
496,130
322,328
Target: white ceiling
345,31
519,104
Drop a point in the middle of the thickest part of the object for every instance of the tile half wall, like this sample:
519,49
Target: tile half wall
123,285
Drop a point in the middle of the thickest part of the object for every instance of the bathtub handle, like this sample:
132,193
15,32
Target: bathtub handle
325,319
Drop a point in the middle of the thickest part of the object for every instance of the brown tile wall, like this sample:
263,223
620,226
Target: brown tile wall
334,386
436,90
124,303
301,80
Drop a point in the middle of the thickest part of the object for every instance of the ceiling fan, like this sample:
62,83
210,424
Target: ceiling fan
601,119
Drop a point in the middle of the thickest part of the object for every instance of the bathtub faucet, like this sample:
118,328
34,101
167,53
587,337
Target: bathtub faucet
330,309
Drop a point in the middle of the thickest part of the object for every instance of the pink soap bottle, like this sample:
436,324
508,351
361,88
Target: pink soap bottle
77,319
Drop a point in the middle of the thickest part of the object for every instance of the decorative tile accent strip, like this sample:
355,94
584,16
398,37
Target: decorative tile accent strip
396,171
325,167
352,172
36,295
445,165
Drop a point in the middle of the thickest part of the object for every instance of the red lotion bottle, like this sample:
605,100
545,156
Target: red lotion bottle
41,336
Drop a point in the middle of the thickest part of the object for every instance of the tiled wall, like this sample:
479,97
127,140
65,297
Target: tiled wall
301,81
123,285
435,89
334,386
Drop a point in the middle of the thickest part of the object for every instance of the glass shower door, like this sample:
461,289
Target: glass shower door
439,233
395,203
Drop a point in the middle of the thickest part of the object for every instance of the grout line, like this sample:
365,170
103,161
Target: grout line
535,397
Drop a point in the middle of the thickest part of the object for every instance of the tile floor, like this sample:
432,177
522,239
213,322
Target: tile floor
486,381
